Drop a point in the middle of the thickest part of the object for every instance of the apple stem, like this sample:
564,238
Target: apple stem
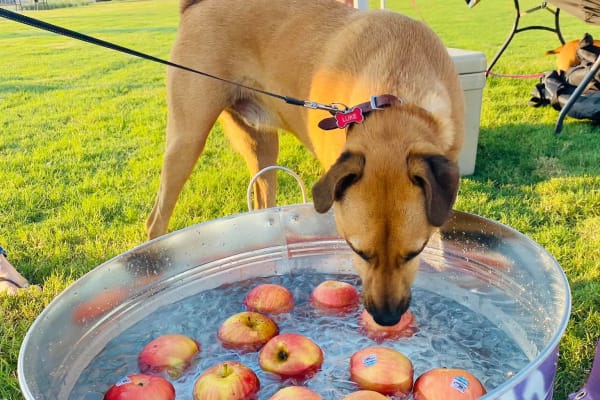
226,370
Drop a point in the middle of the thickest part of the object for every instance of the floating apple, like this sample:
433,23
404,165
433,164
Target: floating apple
230,380
269,298
447,384
295,393
406,327
335,296
171,354
247,331
383,370
365,395
141,387
291,355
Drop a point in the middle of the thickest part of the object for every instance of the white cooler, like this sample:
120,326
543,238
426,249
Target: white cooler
471,67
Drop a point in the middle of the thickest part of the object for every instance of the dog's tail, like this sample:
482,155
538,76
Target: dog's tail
570,46
554,51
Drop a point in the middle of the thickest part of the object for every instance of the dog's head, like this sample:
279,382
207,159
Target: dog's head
389,195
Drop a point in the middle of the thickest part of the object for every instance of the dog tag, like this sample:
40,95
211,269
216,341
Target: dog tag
350,116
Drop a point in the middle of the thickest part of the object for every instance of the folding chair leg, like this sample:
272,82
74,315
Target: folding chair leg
565,110
515,29
512,33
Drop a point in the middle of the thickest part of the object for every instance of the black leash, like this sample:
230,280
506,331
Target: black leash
36,23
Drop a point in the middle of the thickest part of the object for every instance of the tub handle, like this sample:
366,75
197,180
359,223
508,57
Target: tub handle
270,168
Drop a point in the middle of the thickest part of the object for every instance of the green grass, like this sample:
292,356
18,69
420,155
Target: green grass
82,136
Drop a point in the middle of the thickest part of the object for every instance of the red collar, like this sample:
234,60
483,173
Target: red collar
357,114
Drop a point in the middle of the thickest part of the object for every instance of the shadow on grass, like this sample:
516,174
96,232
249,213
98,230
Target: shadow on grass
16,87
527,153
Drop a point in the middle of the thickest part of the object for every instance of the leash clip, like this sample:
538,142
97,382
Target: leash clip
342,117
333,108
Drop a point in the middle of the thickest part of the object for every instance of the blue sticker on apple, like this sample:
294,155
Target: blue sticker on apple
123,381
370,360
460,383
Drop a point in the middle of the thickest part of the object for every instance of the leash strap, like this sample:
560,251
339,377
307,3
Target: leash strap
358,113
344,115
36,23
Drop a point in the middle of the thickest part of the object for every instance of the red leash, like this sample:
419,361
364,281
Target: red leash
527,76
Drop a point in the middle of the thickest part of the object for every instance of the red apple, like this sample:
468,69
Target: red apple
406,327
291,355
448,384
383,370
247,331
171,354
365,395
230,380
269,298
141,387
295,393
335,296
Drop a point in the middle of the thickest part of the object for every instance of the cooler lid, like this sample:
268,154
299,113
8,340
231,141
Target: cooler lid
468,61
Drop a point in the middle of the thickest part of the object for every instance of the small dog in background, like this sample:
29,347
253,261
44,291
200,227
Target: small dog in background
566,55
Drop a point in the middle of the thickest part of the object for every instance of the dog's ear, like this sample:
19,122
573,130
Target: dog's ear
331,187
438,177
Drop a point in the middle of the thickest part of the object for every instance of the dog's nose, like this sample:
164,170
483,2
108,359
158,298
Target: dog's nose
388,315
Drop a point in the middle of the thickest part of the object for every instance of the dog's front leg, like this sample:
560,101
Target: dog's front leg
187,130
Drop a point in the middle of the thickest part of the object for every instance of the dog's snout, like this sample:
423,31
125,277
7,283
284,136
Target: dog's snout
388,314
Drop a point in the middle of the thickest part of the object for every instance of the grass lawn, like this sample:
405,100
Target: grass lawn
82,136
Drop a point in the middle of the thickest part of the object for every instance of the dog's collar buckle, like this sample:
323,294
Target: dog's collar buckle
373,103
357,114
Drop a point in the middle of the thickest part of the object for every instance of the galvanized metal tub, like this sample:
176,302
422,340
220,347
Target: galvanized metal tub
485,266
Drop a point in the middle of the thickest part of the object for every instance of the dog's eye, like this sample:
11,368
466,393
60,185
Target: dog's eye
361,254
411,255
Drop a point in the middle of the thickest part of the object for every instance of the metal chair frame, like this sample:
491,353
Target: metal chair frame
556,29
516,29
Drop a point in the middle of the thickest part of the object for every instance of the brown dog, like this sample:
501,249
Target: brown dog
567,54
391,179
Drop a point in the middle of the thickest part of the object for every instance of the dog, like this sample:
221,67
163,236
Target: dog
391,179
566,54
